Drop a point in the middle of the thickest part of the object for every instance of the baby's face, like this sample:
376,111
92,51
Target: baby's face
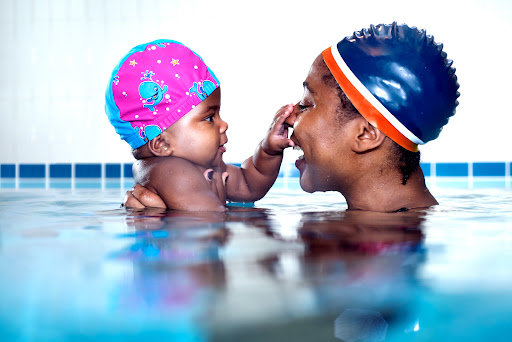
199,136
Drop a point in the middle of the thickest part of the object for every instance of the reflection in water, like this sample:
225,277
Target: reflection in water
355,265
177,270
355,325
360,262
72,271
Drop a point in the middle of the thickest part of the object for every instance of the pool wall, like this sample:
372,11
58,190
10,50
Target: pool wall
58,56
119,175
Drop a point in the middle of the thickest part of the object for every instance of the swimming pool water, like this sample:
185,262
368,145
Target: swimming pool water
292,267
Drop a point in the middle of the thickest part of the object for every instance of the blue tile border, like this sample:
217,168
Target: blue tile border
8,171
32,170
60,171
489,169
425,167
112,175
88,171
452,169
127,168
113,171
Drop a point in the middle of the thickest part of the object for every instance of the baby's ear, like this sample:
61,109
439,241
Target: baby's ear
160,146
368,137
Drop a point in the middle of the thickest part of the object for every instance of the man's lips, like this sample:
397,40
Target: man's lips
301,161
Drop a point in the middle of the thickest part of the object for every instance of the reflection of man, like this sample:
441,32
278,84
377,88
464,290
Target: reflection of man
360,233
360,265
355,325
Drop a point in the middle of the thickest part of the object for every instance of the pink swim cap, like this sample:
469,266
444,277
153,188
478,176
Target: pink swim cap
153,86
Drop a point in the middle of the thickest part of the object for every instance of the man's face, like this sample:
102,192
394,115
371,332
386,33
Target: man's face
319,133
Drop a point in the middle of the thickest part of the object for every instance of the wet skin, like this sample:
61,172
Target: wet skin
349,156
199,136
317,130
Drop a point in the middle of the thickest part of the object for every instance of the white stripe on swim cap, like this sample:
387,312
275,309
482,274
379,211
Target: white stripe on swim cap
372,99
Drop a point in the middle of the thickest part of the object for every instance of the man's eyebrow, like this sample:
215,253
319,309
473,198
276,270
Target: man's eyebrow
306,85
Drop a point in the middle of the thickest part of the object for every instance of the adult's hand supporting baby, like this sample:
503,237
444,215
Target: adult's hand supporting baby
139,197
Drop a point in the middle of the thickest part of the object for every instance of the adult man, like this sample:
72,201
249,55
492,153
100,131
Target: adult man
368,102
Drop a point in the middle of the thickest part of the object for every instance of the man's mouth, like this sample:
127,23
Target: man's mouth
300,162
296,145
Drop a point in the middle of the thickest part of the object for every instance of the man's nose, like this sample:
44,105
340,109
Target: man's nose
290,121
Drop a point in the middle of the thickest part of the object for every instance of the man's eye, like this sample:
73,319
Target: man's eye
302,107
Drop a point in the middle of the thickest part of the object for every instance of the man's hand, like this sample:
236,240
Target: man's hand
140,197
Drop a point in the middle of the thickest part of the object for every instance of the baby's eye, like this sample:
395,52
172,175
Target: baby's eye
209,118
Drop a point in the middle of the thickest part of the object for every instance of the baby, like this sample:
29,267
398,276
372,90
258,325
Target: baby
164,102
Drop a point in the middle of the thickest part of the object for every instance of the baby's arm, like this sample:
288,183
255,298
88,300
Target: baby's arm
258,173
182,186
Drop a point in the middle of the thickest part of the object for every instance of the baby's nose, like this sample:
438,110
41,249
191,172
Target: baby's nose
223,126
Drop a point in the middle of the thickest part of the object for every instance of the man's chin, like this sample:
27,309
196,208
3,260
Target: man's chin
305,184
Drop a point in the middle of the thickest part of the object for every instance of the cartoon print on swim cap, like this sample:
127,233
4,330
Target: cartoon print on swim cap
148,132
151,91
203,90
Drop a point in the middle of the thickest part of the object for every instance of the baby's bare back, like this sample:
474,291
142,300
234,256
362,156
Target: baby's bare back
181,184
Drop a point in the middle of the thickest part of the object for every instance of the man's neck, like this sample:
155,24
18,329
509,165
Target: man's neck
386,193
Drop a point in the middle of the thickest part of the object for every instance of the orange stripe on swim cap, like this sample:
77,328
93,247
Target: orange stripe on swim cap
365,106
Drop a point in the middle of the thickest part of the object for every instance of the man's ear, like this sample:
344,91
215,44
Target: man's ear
161,145
367,137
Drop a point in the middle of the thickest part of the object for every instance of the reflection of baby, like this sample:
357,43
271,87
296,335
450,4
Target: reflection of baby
164,101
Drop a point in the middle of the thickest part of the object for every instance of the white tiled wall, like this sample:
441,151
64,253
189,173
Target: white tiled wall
56,57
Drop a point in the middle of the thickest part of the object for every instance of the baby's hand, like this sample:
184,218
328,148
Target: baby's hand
277,137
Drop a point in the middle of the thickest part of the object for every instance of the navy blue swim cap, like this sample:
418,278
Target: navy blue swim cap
398,79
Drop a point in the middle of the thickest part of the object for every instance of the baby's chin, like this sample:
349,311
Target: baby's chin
218,161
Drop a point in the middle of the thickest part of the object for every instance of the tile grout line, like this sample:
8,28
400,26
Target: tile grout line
73,176
507,175
16,176
47,176
103,176
470,175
